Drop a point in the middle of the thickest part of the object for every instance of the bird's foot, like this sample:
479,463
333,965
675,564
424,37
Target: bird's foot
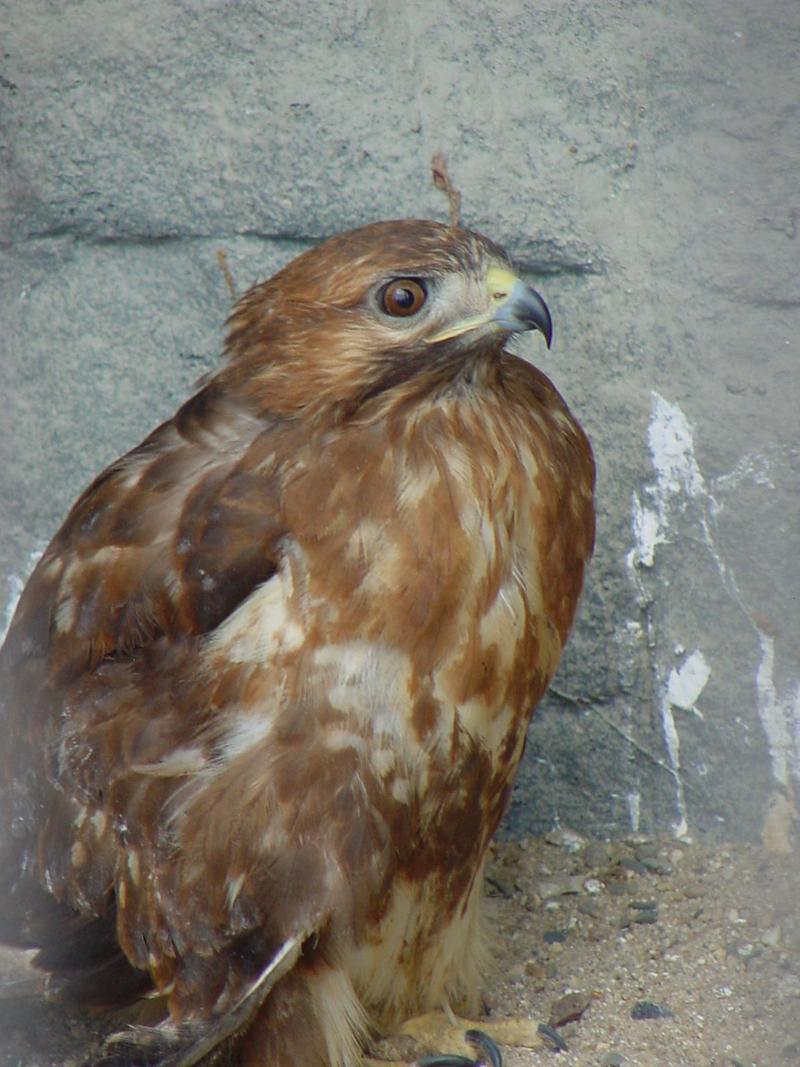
470,1043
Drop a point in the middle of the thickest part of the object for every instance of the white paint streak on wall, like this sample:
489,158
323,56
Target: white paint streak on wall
686,682
678,477
780,716
656,513
646,535
673,744
672,447
634,801
681,690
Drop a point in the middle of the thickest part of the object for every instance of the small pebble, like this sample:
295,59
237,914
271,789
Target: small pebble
555,937
643,913
656,866
567,885
636,840
644,918
647,850
632,865
589,906
596,854
500,887
569,840
694,891
613,1059
771,937
568,1009
648,1009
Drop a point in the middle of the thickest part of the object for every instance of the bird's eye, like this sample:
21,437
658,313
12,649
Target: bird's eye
403,297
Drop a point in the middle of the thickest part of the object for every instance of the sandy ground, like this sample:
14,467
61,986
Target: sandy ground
706,938
659,952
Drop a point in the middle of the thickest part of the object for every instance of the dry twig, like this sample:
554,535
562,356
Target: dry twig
443,181
222,259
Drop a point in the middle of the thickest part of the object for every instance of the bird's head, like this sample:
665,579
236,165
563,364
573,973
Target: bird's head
407,303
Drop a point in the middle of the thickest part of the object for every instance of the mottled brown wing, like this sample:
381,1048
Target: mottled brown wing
96,672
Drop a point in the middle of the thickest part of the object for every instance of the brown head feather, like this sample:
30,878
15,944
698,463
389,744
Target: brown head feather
309,339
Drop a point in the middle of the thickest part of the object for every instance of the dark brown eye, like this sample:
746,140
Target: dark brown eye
403,297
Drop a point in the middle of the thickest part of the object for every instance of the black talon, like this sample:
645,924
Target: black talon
488,1054
553,1036
445,1061
487,1050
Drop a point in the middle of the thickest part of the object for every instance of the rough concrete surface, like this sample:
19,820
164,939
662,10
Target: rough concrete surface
639,161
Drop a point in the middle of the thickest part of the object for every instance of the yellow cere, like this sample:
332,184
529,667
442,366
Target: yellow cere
499,283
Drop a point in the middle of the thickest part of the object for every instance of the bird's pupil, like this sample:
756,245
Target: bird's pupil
404,298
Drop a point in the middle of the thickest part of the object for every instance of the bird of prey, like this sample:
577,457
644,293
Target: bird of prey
265,694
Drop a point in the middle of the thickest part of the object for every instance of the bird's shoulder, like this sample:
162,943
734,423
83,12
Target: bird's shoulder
164,542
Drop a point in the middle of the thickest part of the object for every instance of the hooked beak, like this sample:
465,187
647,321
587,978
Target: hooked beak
514,307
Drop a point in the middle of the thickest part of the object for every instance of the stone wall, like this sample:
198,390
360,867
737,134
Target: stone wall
639,161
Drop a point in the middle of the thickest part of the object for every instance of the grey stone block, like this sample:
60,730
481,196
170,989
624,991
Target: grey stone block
641,165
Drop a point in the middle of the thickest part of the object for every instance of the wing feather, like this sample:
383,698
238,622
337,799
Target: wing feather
170,1045
161,548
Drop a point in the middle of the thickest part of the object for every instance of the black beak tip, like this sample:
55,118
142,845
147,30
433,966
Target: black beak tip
543,321
547,331
538,315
